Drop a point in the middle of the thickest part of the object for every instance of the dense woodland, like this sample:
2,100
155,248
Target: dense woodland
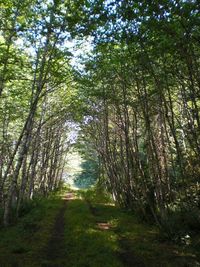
135,96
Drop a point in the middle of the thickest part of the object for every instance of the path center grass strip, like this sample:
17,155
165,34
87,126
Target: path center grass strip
86,244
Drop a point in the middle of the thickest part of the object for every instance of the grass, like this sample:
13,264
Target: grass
143,242
125,241
23,244
139,244
86,244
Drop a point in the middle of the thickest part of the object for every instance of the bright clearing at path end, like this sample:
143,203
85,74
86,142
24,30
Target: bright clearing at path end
73,169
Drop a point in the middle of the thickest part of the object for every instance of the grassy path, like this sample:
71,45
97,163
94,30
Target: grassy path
77,232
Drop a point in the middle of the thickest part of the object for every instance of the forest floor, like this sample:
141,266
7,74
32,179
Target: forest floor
80,230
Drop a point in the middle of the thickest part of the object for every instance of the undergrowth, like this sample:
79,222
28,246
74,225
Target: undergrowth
22,244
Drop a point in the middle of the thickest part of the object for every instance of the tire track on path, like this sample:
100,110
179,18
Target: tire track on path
56,250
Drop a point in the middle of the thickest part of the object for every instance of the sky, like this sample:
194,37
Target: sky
78,48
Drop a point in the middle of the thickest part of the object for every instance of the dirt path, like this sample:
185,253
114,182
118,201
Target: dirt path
76,232
125,255
56,250
97,235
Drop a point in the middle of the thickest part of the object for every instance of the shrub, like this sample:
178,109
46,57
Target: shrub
26,207
181,223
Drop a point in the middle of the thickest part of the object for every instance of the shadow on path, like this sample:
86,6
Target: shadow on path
55,250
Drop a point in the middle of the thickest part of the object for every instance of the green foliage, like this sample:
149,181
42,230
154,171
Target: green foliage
140,92
88,176
27,206
181,224
96,194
